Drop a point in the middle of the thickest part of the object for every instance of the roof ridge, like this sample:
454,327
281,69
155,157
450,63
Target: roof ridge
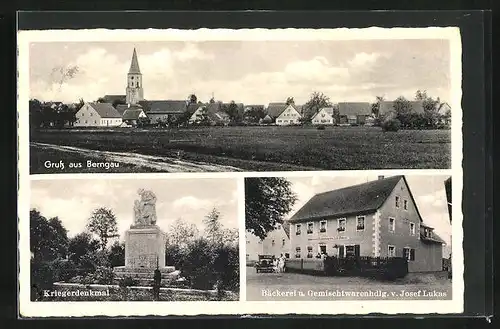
360,184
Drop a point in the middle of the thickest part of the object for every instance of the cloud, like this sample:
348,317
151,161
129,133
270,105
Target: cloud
191,202
363,60
192,52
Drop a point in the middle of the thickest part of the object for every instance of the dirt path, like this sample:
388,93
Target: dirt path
161,163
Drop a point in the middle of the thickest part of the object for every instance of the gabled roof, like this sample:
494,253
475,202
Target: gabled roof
132,114
191,108
299,111
434,239
213,107
355,108
443,107
105,110
358,199
218,116
164,106
328,110
123,107
134,64
275,109
113,98
388,106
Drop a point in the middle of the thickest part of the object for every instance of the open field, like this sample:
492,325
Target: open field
274,286
267,148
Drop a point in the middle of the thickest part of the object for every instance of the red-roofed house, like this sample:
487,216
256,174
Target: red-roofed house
376,219
98,115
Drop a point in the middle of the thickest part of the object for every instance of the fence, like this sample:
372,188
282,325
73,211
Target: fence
376,267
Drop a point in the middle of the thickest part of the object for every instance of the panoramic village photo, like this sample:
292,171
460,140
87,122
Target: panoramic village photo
134,240
227,106
363,237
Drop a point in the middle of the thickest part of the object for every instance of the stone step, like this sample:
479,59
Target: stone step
123,269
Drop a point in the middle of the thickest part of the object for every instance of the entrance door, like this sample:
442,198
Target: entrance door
322,249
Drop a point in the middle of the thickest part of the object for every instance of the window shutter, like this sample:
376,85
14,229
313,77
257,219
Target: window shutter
412,254
341,252
356,250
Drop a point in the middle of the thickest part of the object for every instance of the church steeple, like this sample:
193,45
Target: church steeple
134,65
134,91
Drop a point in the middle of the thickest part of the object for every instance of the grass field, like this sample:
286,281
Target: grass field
273,148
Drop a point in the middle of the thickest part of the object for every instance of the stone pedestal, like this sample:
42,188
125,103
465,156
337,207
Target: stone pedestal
144,253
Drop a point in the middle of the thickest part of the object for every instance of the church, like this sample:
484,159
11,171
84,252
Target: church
129,109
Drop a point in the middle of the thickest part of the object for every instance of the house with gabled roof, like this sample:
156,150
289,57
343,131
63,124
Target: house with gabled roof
211,113
325,116
375,219
133,115
355,113
276,243
98,115
289,116
387,107
163,110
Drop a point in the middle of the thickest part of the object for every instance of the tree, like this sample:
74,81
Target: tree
376,105
116,254
232,110
255,114
102,223
403,109
430,105
181,233
192,99
213,226
267,201
290,100
48,238
101,100
117,102
81,245
314,104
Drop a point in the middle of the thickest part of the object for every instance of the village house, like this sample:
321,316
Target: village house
376,219
162,111
387,107
355,113
97,115
133,115
283,114
211,113
325,116
276,243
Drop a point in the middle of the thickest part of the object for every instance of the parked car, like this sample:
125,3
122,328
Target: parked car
264,264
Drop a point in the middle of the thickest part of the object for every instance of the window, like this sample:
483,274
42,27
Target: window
297,229
248,241
392,224
322,226
272,243
287,255
341,225
409,253
350,251
283,242
91,113
405,204
428,232
391,251
297,252
309,252
360,223
310,227
397,201
412,228
322,249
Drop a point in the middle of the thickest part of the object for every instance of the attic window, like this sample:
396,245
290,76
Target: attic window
405,204
283,242
397,201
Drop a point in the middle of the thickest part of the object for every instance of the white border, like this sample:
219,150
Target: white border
77,309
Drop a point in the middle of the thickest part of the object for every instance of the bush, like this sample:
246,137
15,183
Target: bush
391,125
321,127
128,282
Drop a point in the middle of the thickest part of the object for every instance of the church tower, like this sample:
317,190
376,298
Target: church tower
135,93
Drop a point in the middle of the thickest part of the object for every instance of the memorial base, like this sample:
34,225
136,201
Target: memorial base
144,276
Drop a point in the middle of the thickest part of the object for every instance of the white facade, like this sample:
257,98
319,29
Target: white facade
289,116
87,116
323,117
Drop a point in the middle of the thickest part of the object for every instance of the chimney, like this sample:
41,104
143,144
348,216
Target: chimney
380,177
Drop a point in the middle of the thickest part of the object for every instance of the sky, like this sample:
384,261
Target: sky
428,191
251,72
190,199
